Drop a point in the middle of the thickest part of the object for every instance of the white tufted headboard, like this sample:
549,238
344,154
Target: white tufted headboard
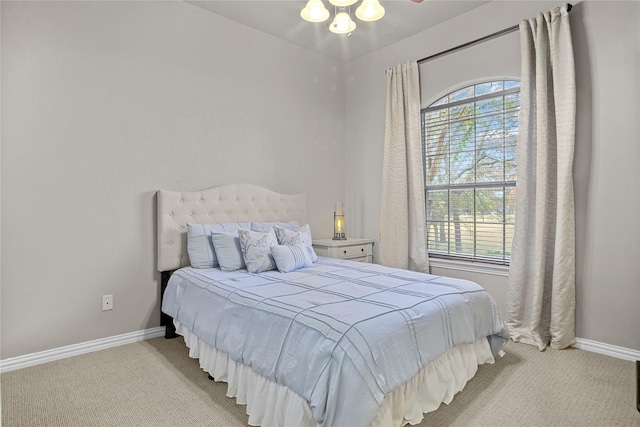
226,203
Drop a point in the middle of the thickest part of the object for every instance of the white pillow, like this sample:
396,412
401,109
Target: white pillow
200,246
291,257
300,235
263,226
256,249
228,252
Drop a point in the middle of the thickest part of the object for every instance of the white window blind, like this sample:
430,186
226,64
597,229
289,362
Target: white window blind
469,142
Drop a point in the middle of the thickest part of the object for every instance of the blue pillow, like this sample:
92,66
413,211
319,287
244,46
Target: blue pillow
199,245
291,257
228,252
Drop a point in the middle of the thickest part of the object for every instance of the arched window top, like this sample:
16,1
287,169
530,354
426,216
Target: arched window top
477,90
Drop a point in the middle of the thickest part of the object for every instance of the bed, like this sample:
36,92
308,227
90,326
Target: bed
334,343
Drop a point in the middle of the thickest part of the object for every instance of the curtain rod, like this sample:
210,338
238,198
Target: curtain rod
480,40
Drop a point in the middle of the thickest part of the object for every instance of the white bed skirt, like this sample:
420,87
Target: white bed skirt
271,404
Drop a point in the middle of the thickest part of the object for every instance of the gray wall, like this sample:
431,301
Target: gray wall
103,103
607,177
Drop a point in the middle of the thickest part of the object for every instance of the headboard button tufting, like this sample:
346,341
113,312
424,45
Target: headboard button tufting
235,202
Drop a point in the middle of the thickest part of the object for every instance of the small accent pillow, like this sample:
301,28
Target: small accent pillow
256,249
227,248
300,235
263,226
200,246
291,257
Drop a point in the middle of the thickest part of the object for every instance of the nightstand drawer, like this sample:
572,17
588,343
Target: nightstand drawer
353,251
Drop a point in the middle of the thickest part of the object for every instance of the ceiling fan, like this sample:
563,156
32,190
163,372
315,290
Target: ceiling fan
368,11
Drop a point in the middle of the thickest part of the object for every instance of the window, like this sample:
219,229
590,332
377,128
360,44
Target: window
469,145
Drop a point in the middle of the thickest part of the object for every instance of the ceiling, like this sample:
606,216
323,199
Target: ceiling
282,19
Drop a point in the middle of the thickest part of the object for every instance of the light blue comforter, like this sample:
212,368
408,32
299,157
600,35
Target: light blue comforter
341,334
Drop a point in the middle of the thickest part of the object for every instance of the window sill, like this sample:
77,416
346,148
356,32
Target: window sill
470,267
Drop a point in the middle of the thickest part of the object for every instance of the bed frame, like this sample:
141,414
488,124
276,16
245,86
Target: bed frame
226,203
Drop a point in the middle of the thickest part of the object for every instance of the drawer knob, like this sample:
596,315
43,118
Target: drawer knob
345,252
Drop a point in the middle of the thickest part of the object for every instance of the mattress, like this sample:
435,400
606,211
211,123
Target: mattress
341,336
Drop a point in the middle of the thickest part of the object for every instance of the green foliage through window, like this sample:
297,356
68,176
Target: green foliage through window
469,144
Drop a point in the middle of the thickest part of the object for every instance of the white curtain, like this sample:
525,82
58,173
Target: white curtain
403,242
541,293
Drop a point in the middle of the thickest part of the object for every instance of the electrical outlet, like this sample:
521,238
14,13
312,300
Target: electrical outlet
107,302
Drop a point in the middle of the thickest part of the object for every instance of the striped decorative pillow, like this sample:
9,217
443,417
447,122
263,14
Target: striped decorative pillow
291,257
300,235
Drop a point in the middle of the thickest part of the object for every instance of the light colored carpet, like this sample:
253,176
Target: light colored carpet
155,383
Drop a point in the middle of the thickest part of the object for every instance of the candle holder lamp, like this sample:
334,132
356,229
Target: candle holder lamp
339,223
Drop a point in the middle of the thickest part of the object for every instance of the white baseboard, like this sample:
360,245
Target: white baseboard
33,359
607,349
19,362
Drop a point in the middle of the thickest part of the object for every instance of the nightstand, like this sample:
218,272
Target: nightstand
352,249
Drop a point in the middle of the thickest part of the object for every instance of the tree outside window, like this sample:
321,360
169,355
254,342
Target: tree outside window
469,143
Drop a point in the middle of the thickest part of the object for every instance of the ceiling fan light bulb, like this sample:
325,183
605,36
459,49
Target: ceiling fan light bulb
342,24
314,11
370,10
